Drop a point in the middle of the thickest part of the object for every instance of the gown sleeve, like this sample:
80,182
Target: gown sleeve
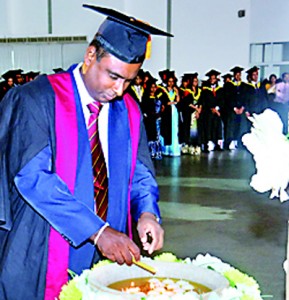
51,198
144,192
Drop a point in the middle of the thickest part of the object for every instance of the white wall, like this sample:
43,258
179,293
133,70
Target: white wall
3,17
269,21
209,34
155,13
70,18
23,18
30,17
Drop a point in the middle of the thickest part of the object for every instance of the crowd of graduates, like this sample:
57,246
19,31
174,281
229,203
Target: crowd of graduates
210,115
195,116
13,78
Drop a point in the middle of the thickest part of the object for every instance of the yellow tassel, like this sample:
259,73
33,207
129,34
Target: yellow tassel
148,48
149,43
84,68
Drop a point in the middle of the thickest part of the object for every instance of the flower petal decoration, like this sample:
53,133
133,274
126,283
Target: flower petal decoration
242,286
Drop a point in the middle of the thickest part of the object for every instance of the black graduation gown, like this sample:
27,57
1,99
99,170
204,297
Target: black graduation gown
150,116
184,93
24,233
211,123
166,115
30,121
4,88
131,91
235,125
256,98
187,112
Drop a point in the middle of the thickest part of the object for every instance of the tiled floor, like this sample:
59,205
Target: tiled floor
208,206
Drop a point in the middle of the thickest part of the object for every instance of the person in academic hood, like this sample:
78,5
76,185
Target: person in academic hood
151,108
169,96
236,123
73,179
256,94
8,82
212,106
136,89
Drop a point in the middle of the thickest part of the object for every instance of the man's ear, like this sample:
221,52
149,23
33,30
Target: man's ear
89,55
88,58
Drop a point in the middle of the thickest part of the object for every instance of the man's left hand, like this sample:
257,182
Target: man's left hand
148,226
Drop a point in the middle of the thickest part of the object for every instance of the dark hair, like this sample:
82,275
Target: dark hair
284,74
170,76
271,76
100,51
147,90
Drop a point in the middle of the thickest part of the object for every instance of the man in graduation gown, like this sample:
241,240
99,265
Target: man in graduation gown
256,95
185,92
48,221
235,102
136,89
8,84
212,105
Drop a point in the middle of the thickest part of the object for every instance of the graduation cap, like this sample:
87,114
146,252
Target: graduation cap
189,76
171,74
163,74
252,70
58,70
141,73
148,75
31,74
237,69
18,72
8,74
213,72
151,81
11,74
148,79
186,77
228,75
123,36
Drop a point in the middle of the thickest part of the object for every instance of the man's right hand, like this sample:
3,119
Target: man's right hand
117,246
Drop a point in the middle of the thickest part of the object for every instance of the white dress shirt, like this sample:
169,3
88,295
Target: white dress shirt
86,99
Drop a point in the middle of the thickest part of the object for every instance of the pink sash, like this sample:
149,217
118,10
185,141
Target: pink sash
134,122
66,164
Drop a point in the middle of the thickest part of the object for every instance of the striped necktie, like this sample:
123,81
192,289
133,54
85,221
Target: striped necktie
100,180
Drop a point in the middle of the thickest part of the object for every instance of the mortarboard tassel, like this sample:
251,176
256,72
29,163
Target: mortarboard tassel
148,48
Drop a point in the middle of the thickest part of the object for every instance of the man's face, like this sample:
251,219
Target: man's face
213,79
254,76
238,76
153,88
108,77
185,83
138,80
19,78
10,81
195,82
286,78
171,82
